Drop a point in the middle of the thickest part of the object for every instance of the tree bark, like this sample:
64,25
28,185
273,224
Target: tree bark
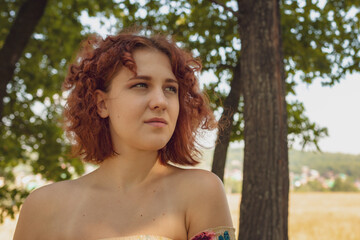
231,104
264,204
23,27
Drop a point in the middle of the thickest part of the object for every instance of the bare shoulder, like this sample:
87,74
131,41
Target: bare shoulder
47,196
207,205
39,207
195,181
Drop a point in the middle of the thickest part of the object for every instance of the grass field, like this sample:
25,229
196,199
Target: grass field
313,216
317,216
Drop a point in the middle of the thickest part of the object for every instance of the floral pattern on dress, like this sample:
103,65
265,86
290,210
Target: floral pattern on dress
205,236
225,236
211,236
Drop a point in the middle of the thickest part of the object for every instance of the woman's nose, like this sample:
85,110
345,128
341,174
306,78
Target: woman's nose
158,100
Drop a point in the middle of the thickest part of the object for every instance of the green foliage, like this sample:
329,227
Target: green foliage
319,41
336,163
11,200
325,162
311,186
344,185
31,131
316,44
232,185
300,127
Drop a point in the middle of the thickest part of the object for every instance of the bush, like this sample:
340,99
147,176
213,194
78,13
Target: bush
311,186
344,185
232,185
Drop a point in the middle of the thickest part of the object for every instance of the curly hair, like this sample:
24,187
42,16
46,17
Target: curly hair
95,65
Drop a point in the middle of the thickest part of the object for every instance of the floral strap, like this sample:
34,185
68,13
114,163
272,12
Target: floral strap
218,233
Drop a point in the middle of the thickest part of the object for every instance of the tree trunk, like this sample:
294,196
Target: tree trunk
231,104
264,204
23,27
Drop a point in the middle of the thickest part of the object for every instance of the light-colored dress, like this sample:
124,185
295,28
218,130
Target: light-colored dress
218,233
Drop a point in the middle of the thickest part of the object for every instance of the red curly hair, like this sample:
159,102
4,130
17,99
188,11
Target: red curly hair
94,67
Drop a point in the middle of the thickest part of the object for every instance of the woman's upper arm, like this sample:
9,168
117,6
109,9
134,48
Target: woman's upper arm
208,206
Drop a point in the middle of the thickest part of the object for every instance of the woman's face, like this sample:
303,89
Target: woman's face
142,110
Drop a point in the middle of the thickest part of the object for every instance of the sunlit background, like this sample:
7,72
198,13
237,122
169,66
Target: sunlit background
317,209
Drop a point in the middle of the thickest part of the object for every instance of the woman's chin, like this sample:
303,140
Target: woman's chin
153,146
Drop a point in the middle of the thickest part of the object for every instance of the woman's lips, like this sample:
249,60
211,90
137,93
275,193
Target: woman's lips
157,124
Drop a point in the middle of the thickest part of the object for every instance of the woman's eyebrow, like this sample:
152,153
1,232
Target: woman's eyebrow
171,80
148,78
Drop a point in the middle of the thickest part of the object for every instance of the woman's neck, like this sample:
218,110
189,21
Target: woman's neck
128,170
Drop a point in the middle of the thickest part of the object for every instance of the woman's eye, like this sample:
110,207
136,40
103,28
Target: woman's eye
171,89
139,85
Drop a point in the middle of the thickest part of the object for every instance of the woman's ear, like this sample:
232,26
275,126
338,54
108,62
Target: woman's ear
101,103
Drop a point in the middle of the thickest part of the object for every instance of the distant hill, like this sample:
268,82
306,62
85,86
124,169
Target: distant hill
322,162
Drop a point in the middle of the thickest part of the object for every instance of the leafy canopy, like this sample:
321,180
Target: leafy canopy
321,40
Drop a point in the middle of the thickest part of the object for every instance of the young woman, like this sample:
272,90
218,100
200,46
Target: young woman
134,109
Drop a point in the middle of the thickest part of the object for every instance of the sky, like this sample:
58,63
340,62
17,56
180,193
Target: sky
336,107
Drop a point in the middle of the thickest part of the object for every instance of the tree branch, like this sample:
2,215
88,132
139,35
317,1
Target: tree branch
20,32
226,7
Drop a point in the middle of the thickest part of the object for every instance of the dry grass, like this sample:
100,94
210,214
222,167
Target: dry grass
319,216
315,216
